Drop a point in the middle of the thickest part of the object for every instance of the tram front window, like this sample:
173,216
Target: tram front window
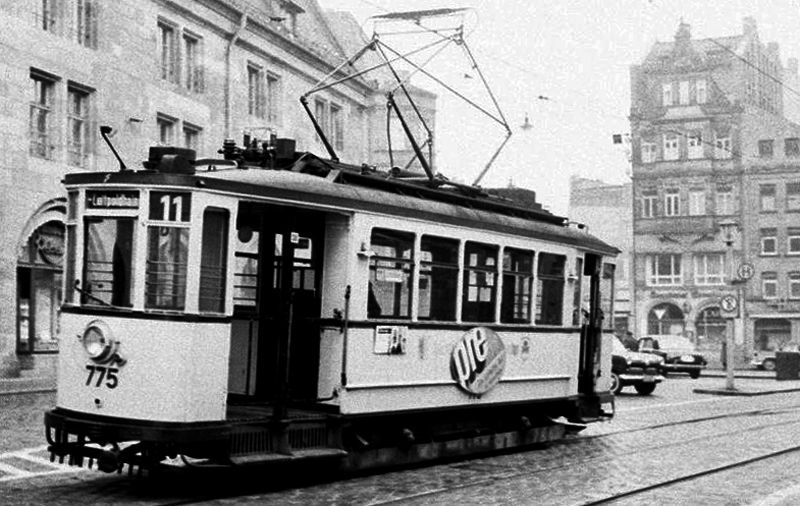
108,262
167,257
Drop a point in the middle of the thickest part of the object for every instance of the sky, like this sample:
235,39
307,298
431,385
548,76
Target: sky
565,64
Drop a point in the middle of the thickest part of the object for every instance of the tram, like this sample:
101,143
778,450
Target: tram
277,306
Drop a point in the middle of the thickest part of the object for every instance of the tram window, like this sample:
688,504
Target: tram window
165,273
213,260
303,273
550,289
577,310
245,277
480,287
108,257
607,295
438,279
390,271
517,286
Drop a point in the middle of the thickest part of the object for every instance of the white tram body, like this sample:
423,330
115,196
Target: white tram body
236,312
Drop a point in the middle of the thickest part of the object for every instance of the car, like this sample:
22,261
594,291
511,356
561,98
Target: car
764,360
678,352
642,371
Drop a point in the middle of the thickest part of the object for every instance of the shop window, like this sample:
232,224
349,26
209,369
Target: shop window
39,293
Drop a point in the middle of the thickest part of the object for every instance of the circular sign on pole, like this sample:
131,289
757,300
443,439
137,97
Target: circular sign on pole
729,303
746,271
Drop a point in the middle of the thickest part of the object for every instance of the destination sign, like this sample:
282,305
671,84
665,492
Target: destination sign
112,199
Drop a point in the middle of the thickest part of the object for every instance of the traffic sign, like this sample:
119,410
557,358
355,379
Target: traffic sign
729,303
746,271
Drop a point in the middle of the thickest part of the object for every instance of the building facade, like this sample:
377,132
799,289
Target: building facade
709,135
189,73
605,209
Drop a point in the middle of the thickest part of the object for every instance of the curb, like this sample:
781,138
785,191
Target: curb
12,386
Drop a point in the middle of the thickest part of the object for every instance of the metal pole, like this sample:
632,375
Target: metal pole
729,347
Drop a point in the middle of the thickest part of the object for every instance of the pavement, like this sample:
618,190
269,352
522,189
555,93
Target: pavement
26,385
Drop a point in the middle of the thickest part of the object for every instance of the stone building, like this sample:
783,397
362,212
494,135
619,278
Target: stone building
605,209
182,72
711,151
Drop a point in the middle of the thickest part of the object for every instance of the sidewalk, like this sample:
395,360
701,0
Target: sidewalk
749,382
26,385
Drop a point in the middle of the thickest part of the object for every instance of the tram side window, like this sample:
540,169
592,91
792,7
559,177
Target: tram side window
550,289
480,287
390,272
108,262
607,295
213,260
517,286
165,274
245,277
438,279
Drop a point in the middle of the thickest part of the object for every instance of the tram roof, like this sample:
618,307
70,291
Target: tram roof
366,194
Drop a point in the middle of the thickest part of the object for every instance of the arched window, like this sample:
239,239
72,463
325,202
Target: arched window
666,319
39,274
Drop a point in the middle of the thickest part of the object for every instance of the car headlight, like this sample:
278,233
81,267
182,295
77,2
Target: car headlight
99,342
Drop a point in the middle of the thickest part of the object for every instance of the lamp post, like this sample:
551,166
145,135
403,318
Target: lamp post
728,229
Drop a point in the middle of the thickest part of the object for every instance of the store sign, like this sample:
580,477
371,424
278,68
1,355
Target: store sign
112,199
478,360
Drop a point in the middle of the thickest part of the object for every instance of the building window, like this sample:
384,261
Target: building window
769,241
666,94
191,136
794,285
793,196
694,143
722,148
337,126
192,63
664,270
649,202
166,130
767,198
683,93
77,126
701,91
86,22
168,51
672,202
793,241
273,98
649,152
791,147
49,15
41,116
769,285
255,91
697,202
709,269
765,148
724,201
671,151
321,113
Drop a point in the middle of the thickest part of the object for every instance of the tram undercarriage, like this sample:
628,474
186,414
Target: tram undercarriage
252,435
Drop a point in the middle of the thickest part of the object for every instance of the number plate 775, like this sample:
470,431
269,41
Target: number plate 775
98,373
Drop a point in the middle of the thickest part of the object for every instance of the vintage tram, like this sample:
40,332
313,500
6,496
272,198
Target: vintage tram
275,306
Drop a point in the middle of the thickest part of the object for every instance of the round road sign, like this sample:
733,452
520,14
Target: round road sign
746,271
729,303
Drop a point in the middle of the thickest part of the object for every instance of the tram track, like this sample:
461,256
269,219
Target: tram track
499,472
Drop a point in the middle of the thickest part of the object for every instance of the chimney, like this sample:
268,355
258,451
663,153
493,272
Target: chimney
749,28
683,38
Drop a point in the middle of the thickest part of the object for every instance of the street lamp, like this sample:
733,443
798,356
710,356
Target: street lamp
728,229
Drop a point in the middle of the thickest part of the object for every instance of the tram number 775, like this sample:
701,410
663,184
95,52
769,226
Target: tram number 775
103,373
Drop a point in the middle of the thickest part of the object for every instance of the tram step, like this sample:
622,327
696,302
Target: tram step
310,453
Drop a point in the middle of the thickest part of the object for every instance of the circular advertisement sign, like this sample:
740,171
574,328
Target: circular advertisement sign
478,360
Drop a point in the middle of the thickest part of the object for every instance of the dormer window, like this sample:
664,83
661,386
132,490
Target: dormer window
701,91
683,93
666,94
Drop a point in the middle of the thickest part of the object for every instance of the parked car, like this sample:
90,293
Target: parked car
678,352
764,360
642,371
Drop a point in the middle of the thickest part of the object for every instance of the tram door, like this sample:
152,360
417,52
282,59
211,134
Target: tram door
591,329
275,339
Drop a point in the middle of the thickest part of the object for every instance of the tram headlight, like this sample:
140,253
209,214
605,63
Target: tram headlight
99,342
